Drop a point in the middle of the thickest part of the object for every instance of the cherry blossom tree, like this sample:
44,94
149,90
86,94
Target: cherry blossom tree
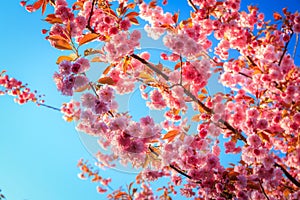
258,113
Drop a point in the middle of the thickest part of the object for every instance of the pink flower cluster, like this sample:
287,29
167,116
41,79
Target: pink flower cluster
71,76
15,88
120,45
157,18
184,45
197,73
71,111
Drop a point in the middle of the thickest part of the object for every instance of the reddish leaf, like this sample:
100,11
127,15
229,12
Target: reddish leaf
37,4
62,58
96,59
170,135
152,4
88,38
44,6
52,19
63,45
107,69
177,66
134,21
121,194
277,16
175,17
132,15
131,5
77,6
106,80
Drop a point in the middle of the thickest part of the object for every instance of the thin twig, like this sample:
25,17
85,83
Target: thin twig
193,5
210,111
285,48
151,66
90,17
288,175
47,106
263,190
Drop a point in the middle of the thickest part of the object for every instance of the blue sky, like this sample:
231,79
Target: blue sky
38,150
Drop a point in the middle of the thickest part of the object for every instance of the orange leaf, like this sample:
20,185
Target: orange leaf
56,38
134,21
132,15
62,58
62,45
96,59
44,6
77,6
125,64
175,17
177,66
170,135
37,4
277,16
52,19
121,194
131,5
152,4
196,118
106,80
204,91
107,69
88,38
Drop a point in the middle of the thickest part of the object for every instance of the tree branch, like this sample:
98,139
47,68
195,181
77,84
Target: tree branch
47,106
151,66
88,26
193,5
210,111
263,190
288,175
285,48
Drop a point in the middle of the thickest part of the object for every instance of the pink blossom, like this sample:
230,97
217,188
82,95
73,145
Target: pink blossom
80,82
254,140
262,124
88,100
100,107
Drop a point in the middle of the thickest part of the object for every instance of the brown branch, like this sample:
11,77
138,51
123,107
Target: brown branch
47,106
243,74
180,172
88,26
193,5
263,190
285,48
151,66
288,175
228,126
249,59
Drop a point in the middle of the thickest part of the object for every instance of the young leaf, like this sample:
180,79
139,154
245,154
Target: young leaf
177,66
134,21
146,76
132,15
175,18
37,4
277,16
171,135
106,80
62,58
88,38
62,45
52,19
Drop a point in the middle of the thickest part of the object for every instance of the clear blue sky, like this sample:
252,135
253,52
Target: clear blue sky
38,150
